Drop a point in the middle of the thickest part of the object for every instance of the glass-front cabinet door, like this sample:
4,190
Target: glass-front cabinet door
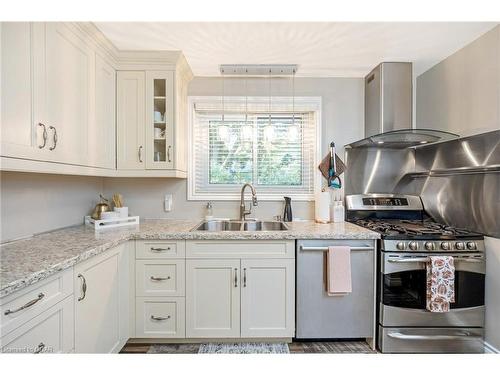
159,119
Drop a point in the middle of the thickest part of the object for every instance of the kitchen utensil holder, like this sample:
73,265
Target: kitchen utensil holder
112,223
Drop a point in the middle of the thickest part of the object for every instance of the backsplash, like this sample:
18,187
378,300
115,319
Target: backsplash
33,203
144,197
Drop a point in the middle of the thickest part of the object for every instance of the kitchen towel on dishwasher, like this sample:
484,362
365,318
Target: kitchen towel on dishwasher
440,283
338,271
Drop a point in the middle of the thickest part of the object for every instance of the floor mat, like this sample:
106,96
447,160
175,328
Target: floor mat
244,348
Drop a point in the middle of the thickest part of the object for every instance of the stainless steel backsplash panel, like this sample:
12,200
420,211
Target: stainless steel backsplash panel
474,151
376,170
458,180
470,200
466,201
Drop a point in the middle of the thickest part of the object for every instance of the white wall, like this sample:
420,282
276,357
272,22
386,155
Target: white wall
493,292
33,203
461,94
342,121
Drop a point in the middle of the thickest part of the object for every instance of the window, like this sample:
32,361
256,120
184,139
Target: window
274,150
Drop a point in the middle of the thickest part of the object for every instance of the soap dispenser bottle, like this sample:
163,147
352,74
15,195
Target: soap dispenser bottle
209,214
287,212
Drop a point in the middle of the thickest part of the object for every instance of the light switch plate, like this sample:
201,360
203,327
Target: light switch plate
168,202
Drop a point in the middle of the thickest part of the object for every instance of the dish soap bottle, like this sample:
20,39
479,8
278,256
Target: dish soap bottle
287,212
209,215
338,211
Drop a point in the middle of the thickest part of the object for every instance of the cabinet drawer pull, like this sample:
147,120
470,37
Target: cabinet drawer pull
160,278
54,137
26,305
84,287
160,249
158,318
140,154
39,348
44,135
244,277
168,154
235,277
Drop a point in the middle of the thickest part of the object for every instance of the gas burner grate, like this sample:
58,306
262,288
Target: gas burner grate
411,228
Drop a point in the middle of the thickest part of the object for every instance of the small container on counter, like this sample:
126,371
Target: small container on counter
122,211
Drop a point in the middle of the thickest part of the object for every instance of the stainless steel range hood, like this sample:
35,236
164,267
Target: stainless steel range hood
405,138
388,98
388,110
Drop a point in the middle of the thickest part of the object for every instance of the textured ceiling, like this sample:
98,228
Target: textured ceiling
344,49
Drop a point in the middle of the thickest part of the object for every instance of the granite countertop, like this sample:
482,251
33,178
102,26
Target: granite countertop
28,261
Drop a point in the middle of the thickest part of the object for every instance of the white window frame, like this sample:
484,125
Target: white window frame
310,103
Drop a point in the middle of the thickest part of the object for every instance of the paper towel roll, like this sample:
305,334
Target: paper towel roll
322,207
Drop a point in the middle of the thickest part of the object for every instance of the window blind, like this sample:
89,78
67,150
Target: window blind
273,150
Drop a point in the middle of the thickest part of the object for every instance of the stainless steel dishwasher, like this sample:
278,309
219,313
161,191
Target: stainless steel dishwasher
320,316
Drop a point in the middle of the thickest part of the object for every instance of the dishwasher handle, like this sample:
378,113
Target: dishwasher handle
325,248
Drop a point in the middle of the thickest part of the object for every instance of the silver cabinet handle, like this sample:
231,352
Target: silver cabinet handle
159,249
244,277
140,154
159,317
54,137
39,348
168,154
160,278
235,277
84,287
461,336
26,305
44,135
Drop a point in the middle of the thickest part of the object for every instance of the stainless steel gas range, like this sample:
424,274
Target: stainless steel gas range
408,238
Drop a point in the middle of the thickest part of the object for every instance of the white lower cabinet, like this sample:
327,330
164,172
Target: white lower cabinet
101,302
268,298
212,298
50,332
240,298
160,317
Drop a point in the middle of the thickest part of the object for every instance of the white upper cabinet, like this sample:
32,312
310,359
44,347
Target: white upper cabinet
159,120
63,66
63,102
150,130
131,120
19,132
102,132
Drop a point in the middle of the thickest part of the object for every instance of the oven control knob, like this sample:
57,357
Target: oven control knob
429,246
413,245
460,246
400,245
471,246
445,245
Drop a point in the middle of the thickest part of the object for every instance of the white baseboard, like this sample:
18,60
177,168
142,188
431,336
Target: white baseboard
488,348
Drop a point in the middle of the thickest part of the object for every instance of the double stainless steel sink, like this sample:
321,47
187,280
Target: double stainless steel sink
236,225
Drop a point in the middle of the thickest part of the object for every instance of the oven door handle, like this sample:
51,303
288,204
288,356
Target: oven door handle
462,336
425,260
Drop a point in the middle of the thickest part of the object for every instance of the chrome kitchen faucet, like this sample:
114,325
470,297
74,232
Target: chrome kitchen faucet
243,211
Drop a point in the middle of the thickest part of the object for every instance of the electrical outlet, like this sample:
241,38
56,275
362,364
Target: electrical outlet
168,202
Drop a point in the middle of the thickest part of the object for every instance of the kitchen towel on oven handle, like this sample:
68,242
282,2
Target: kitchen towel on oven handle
440,283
